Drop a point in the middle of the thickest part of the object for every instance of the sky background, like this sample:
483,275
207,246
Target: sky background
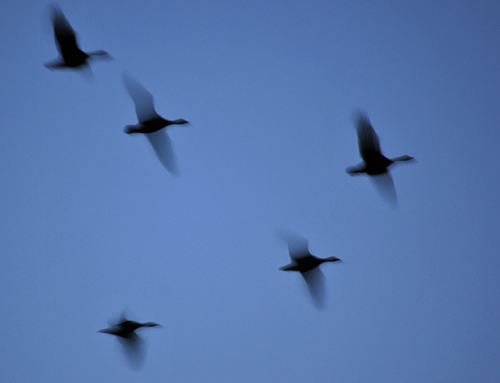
92,224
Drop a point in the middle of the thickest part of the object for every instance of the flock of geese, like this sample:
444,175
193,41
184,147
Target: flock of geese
374,164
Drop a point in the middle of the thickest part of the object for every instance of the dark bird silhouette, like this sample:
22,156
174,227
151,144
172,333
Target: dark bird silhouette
151,123
302,260
307,265
149,120
374,162
71,55
132,344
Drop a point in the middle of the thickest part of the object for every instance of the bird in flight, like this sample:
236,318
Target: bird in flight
307,265
374,162
149,120
151,123
71,55
125,331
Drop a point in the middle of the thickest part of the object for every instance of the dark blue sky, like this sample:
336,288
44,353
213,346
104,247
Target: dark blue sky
93,224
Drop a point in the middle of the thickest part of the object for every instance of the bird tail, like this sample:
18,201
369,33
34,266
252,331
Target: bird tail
353,170
55,64
131,129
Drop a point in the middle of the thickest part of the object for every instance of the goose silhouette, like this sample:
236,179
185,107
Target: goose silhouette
71,55
374,163
126,328
125,331
302,260
151,123
307,265
149,120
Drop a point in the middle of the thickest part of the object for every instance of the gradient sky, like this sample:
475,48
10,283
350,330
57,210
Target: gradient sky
93,224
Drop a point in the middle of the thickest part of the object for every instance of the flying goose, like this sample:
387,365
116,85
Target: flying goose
132,344
149,120
71,55
375,164
307,265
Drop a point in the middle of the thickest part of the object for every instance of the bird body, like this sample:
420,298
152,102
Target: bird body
373,167
152,125
306,263
126,328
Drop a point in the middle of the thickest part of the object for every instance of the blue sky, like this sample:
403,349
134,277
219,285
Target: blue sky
93,224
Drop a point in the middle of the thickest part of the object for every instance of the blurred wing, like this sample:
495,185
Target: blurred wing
386,189
315,281
143,100
64,33
133,350
298,246
163,149
369,145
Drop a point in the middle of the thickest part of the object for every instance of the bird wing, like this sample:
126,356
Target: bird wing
369,145
115,321
163,149
133,348
298,246
64,33
385,187
315,281
143,99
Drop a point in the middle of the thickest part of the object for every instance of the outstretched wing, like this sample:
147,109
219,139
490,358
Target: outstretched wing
315,281
298,246
163,149
143,100
133,349
369,145
385,187
64,33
